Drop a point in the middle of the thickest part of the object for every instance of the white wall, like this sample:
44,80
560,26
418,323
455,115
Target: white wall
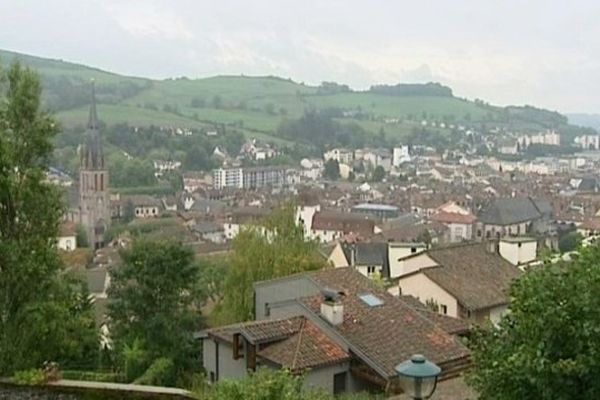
496,314
423,288
67,243
518,252
400,265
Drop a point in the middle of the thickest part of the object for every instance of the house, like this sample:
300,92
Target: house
460,225
366,258
243,216
209,232
144,206
589,227
513,216
338,328
330,225
381,211
468,281
67,237
518,250
342,156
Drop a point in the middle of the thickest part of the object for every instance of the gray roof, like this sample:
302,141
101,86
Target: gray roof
367,253
508,211
92,154
207,227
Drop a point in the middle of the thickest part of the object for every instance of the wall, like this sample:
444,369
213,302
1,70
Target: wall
228,367
322,378
409,265
518,252
67,243
496,314
337,257
280,290
423,288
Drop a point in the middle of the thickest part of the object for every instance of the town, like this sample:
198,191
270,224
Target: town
298,203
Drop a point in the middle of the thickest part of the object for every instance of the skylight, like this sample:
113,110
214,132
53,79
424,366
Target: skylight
371,300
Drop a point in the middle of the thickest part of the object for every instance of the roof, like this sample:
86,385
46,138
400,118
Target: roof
141,200
454,326
294,342
453,218
307,348
92,155
509,210
207,227
366,253
375,207
246,214
343,222
476,277
591,223
67,229
386,334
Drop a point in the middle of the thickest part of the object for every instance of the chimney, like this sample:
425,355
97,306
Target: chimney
332,308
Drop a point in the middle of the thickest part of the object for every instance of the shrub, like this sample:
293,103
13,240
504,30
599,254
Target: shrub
160,373
34,376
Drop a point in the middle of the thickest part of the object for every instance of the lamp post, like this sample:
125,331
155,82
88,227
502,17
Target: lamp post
418,377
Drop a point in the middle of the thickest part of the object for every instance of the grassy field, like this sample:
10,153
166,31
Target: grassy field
253,105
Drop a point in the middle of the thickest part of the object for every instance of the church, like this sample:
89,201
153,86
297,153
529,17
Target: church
94,198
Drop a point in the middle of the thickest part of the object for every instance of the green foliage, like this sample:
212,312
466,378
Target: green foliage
569,242
34,376
332,170
280,251
548,346
153,305
38,302
267,384
378,174
127,173
413,89
81,236
160,373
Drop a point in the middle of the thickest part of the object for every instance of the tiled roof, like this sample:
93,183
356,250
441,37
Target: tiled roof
454,326
307,348
343,222
477,277
259,331
453,218
388,333
591,223
67,229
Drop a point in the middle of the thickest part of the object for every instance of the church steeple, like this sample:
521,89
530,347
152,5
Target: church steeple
93,118
92,155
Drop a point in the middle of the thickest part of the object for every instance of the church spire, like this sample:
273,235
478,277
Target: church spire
93,119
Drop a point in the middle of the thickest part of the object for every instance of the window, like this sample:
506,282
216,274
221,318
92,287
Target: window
339,383
413,249
370,270
212,376
444,309
478,232
519,244
370,299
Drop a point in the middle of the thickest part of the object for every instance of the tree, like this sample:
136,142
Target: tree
378,174
153,300
332,170
43,313
273,249
81,236
547,346
128,211
569,242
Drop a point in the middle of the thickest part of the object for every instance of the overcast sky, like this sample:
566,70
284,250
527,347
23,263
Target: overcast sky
540,52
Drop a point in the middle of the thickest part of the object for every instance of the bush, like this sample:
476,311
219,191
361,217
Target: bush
160,373
569,242
33,376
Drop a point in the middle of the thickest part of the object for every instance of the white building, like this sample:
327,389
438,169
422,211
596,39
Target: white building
400,155
518,250
67,237
343,156
588,142
228,178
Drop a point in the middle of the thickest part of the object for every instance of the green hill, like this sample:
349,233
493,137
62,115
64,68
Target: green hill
257,106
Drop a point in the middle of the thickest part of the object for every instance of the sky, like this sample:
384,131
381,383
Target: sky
540,52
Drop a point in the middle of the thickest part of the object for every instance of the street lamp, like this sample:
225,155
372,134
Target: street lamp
418,377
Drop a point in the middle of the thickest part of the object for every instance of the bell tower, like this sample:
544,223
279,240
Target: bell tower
94,200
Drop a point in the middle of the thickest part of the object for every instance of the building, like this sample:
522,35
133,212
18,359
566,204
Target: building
228,178
338,328
400,155
327,226
588,142
249,178
261,177
518,250
67,237
467,281
381,211
141,205
460,225
513,216
94,201
342,156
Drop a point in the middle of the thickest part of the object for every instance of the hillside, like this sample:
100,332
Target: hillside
257,106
